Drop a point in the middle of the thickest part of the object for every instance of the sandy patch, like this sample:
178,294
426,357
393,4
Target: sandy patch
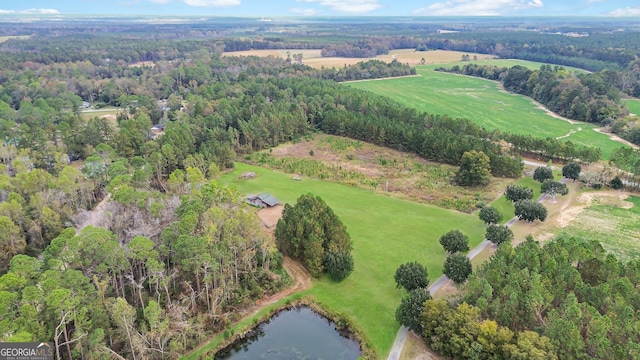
270,216
415,349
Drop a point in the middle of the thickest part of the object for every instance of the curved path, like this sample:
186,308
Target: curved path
401,336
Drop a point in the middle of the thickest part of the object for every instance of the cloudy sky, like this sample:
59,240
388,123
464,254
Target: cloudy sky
327,7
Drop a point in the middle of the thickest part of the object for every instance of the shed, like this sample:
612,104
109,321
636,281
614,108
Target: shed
263,200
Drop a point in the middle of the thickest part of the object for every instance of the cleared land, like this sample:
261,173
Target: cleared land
380,169
314,59
613,219
20,37
485,103
386,233
634,106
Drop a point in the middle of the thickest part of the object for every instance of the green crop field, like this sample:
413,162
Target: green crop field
485,103
386,232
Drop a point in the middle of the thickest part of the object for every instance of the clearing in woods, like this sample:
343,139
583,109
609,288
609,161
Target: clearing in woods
381,169
386,232
485,103
314,59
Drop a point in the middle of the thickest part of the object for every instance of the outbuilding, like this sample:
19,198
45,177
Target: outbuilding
263,200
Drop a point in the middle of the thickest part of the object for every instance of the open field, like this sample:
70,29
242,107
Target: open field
109,112
614,221
314,59
634,106
386,233
485,103
20,37
380,169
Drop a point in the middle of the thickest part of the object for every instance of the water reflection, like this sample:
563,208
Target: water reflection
293,334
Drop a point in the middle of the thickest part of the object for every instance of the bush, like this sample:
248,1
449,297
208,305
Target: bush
490,215
454,241
616,183
411,275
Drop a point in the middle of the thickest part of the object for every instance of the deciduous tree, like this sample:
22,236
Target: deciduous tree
457,267
411,275
490,215
454,241
475,169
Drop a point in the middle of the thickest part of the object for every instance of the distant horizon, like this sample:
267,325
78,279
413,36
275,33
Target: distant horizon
328,8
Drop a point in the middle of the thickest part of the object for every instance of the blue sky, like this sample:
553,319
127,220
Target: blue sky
328,7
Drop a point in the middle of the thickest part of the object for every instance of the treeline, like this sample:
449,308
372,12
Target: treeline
588,97
572,292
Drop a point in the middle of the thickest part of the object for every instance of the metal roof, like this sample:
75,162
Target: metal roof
269,199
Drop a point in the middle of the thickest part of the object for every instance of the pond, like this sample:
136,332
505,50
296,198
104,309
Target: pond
297,333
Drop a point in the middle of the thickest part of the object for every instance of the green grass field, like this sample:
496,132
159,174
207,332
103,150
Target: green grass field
634,106
386,232
616,228
506,208
483,102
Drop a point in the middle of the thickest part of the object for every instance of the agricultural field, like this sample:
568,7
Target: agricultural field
375,222
314,59
383,170
108,112
485,103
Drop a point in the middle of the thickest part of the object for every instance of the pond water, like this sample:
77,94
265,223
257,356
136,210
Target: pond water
293,334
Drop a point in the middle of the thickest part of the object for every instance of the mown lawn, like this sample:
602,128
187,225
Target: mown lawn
483,102
386,232
506,208
634,106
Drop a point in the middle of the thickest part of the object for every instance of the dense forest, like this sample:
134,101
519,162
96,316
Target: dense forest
583,299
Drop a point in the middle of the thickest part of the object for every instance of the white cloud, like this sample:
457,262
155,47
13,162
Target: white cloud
348,6
628,11
201,3
211,3
304,12
30,11
478,7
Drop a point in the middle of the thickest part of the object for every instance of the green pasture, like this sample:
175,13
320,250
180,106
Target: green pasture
386,232
616,228
634,106
485,103
506,208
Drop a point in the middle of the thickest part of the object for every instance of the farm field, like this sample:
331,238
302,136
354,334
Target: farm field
314,59
375,223
485,103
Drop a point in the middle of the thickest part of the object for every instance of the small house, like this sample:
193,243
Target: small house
263,200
